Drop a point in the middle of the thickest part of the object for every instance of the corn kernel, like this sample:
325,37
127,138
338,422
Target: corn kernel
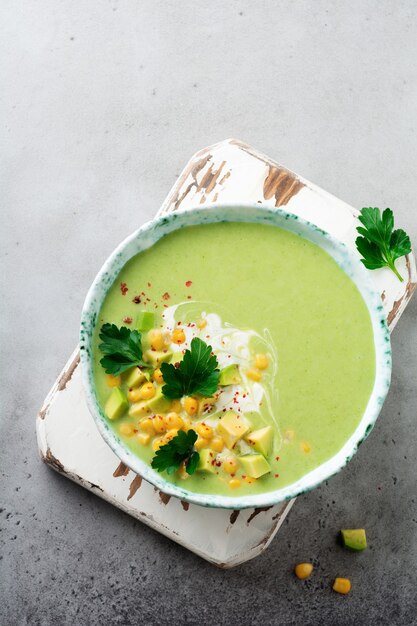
186,426
143,438
176,406
230,465
342,585
204,430
134,395
147,391
190,405
157,443
171,434
249,479
157,376
173,420
305,447
261,361
217,444
158,423
113,381
254,375
201,324
303,570
178,336
147,426
126,429
156,339
234,483
201,443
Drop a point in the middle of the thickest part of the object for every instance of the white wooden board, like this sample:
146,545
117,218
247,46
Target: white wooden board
67,436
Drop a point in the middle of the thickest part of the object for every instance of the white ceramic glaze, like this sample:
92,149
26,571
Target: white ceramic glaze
145,237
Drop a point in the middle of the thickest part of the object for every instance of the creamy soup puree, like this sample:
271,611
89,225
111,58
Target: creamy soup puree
293,347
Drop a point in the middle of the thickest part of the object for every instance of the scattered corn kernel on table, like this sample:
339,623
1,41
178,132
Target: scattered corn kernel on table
67,437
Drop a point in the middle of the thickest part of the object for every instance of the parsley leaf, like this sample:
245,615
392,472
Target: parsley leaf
380,245
197,373
122,348
170,456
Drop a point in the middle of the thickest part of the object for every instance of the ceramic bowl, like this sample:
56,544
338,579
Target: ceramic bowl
347,259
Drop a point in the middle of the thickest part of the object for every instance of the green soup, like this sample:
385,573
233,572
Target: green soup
281,310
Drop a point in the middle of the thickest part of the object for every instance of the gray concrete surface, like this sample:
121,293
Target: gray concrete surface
102,103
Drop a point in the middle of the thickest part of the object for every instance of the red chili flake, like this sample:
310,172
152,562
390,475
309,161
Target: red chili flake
177,364
207,336
143,293
276,475
166,296
165,306
136,300
277,458
123,288
127,320
189,297
243,476
235,401
148,299
188,283
218,464
149,285
179,323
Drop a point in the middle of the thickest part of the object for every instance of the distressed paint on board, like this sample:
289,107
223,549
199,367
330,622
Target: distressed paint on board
67,437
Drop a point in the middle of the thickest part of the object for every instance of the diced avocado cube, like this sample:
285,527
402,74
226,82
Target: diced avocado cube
231,427
158,404
156,357
139,409
205,405
135,377
354,539
176,357
205,463
254,465
145,321
261,439
230,375
116,404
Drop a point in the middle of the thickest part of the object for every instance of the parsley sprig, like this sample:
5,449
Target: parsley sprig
181,448
122,348
197,373
381,245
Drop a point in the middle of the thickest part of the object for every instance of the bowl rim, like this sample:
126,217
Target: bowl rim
347,259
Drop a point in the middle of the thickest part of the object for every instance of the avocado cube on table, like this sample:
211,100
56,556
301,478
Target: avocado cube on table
261,439
139,409
116,404
230,375
354,539
135,377
156,357
158,404
254,465
205,463
231,427
145,321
